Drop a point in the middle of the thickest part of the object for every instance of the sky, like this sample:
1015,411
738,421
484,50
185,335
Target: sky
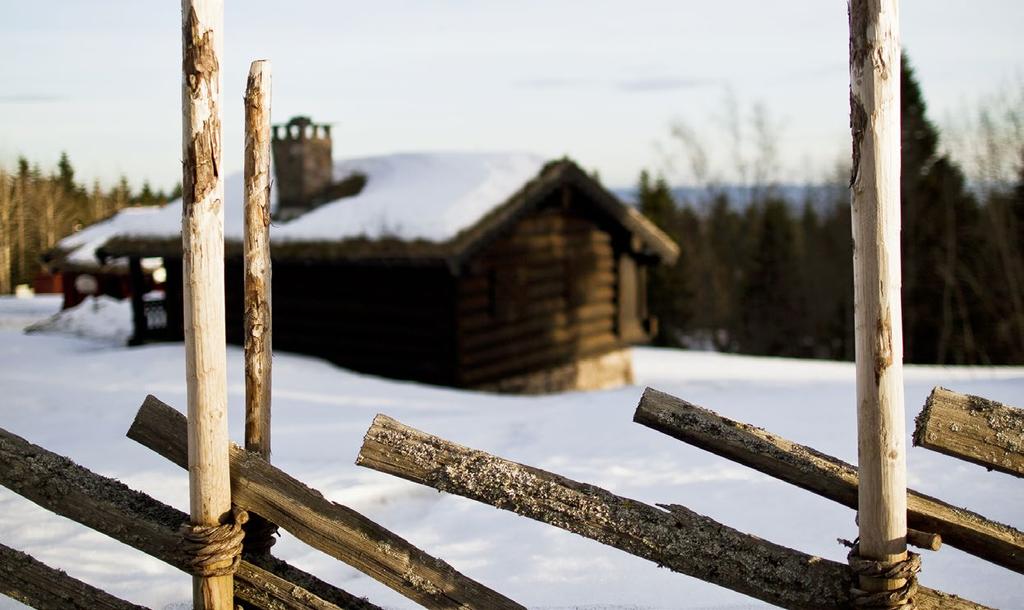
600,81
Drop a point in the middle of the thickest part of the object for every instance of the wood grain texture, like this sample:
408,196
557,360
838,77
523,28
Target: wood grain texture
823,474
671,536
973,428
332,528
133,518
36,584
878,321
202,234
257,269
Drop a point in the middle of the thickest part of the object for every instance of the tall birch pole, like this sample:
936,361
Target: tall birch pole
875,186
202,232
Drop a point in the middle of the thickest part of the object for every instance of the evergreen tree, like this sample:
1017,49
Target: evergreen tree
66,174
941,222
769,299
669,293
1002,275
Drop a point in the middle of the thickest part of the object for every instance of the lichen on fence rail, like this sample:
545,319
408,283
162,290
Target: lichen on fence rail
672,536
110,507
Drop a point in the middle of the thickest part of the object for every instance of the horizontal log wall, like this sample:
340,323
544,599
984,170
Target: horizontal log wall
391,321
540,297
676,538
133,518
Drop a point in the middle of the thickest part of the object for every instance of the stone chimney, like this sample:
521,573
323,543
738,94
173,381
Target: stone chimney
302,165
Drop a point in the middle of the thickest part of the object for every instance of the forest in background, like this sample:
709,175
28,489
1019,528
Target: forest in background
762,269
775,277
37,209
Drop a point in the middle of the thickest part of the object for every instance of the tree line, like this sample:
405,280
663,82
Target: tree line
37,209
774,276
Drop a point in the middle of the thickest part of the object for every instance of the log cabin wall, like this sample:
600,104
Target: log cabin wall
385,320
546,295
562,286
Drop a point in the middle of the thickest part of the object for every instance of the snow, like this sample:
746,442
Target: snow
78,396
417,196
18,312
408,196
82,246
103,318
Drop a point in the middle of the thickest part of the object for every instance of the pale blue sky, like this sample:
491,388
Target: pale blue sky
598,80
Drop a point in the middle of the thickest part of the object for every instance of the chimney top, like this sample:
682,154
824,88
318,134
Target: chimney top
302,128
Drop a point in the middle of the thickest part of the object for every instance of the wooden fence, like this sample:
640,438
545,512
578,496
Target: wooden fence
673,536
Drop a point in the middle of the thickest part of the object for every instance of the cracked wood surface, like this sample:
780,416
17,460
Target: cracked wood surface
202,242
32,582
974,429
671,536
111,508
823,474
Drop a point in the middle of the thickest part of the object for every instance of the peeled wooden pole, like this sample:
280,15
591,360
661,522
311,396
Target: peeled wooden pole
257,260
878,322
259,533
202,234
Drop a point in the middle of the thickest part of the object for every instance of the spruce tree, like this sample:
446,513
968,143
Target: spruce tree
771,315
669,293
941,222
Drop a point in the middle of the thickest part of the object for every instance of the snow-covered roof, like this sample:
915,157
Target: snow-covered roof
79,249
412,205
411,196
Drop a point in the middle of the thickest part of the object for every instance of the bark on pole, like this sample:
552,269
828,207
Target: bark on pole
875,189
202,232
257,260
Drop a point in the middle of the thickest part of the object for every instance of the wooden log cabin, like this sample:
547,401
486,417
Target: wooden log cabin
487,271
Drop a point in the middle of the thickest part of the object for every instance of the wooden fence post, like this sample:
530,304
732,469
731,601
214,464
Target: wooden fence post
259,532
257,260
202,232
875,187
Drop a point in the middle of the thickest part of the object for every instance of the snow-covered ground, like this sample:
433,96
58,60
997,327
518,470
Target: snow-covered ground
77,396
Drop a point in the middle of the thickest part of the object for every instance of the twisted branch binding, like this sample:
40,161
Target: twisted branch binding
896,599
214,550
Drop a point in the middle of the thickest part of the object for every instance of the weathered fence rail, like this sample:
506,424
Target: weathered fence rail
823,474
332,528
974,429
109,507
36,584
676,538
